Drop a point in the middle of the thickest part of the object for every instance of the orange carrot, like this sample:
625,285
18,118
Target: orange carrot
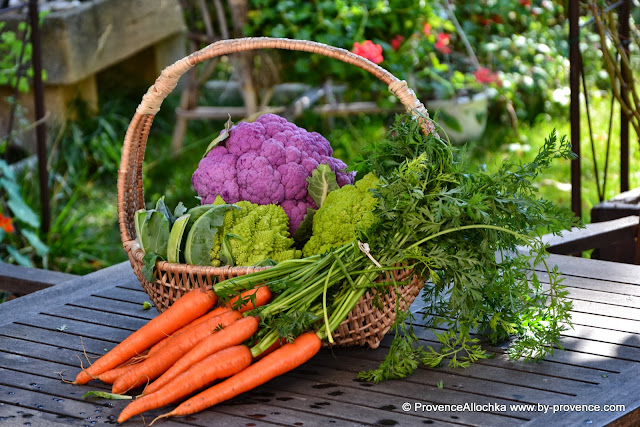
222,364
176,347
284,359
184,310
262,293
213,313
234,334
110,376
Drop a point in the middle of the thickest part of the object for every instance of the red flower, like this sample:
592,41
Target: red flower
396,42
525,3
443,43
368,50
426,30
6,224
485,76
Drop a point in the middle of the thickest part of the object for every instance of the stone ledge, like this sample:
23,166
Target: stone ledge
79,42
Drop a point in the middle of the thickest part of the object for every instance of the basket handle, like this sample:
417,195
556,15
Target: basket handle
130,186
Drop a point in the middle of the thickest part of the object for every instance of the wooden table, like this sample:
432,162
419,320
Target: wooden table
43,336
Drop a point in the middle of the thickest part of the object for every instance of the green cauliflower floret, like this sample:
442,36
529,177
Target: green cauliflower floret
254,233
344,211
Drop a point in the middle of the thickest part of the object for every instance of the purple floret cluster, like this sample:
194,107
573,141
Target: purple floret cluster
267,161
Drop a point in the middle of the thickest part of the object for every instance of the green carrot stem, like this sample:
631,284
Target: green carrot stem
324,302
469,227
264,343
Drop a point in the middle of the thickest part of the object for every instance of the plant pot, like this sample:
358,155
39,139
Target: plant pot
462,118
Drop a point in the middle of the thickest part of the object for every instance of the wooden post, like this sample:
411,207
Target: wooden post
574,85
41,130
623,34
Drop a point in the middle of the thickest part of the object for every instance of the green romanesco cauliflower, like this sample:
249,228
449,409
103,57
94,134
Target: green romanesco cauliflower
343,212
254,233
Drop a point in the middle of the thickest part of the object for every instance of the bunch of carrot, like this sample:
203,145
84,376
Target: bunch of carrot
192,345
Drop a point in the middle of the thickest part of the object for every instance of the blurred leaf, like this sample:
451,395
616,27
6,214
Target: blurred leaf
18,257
23,213
34,240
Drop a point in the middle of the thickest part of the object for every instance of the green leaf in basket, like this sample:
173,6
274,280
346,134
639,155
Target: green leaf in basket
201,236
303,233
179,210
321,182
197,212
138,219
148,264
226,252
223,135
164,210
175,238
154,233
105,395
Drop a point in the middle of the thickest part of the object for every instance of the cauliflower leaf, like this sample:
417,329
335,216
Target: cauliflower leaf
321,182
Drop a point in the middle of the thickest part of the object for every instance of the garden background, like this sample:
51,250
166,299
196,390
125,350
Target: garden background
513,53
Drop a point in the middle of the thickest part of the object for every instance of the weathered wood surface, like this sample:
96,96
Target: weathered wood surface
45,336
23,280
619,231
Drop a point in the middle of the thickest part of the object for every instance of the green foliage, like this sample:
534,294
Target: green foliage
291,325
451,221
404,355
15,56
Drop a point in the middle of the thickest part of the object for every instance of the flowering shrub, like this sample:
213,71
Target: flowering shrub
517,47
524,41
365,27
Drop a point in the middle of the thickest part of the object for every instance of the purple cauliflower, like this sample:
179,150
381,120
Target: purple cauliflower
267,161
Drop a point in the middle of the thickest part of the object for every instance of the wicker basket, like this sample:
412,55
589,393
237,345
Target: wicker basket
366,324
